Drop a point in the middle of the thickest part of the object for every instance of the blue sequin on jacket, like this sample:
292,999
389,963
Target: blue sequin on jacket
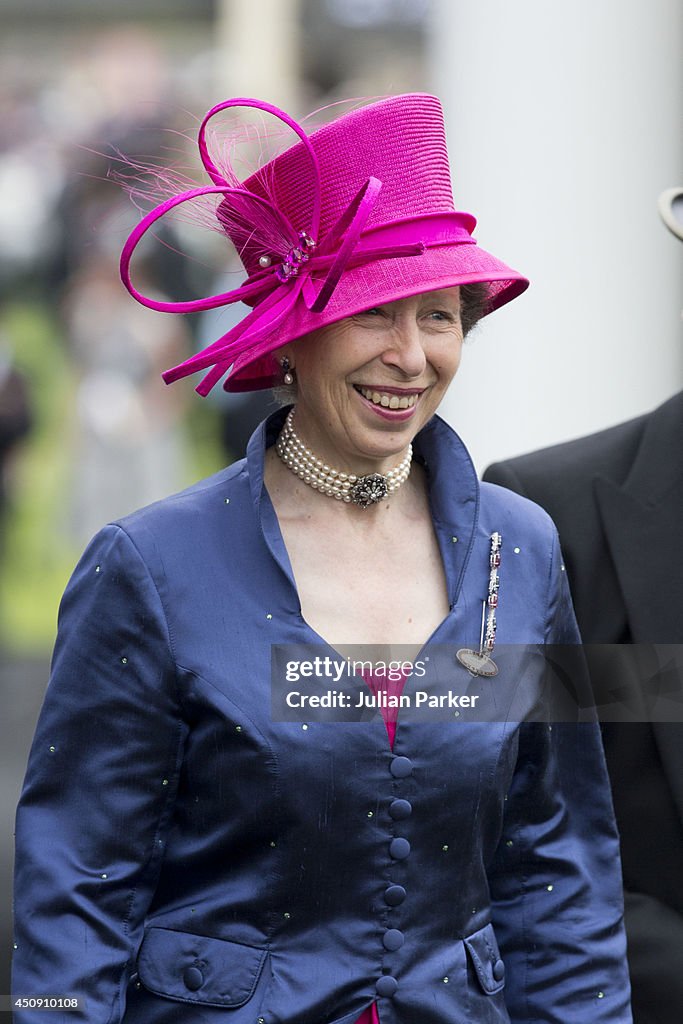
181,857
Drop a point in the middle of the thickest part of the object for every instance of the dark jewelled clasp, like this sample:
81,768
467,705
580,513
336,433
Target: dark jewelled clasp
368,490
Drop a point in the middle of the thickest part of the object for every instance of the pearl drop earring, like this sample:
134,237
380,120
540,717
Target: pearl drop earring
288,377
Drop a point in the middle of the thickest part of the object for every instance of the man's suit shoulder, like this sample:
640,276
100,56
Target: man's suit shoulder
557,472
563,466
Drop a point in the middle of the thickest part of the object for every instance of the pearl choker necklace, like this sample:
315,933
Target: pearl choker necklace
361,490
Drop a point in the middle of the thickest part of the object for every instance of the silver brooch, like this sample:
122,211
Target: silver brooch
480,663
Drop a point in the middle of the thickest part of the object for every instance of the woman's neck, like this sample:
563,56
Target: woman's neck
364,485
295,500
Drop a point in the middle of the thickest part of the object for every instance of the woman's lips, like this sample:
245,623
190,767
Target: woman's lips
389,403
389,398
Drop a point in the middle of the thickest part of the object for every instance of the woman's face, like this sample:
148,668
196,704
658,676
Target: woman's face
368,384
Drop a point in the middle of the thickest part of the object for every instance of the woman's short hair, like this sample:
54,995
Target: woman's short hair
473,304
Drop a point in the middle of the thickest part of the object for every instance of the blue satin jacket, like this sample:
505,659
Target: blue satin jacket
182,857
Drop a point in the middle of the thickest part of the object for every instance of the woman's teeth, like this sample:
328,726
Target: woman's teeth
388,401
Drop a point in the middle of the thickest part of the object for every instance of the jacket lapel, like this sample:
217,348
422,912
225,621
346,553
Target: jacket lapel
643,539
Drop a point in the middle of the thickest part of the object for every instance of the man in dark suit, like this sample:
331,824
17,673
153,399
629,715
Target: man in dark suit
617,500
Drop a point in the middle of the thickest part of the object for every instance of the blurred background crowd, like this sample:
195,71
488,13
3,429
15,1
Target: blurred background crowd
565,125
88,431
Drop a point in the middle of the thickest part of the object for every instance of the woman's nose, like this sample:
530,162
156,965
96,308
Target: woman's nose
405,349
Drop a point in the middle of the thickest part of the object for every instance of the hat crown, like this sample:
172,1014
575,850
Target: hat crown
399,140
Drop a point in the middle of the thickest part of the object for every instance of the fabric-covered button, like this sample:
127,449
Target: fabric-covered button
393,939
401,767
400,809
394,895
499,970
399,848
386,986
193,978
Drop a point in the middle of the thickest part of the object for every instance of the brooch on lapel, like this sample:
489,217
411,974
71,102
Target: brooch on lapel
480,663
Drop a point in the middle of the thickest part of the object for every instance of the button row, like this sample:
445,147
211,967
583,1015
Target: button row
394,895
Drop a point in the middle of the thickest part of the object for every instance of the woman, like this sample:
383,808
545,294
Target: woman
186,855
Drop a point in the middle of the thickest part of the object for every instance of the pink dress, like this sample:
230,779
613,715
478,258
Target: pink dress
390,716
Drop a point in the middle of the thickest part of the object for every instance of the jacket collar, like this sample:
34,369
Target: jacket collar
453,493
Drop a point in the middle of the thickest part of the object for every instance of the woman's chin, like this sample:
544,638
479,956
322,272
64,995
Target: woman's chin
366,438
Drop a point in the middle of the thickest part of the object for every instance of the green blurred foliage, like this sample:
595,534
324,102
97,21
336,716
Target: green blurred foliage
39,550
38,556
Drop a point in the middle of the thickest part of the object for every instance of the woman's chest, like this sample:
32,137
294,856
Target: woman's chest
389,589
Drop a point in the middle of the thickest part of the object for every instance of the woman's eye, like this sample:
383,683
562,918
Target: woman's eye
374,313
442,314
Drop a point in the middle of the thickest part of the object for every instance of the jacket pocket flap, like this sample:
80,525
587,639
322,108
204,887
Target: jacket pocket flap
198,968
483,951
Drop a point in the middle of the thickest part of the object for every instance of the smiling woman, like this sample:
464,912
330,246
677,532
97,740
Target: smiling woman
183,854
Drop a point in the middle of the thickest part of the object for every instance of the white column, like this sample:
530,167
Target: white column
258,50
565,123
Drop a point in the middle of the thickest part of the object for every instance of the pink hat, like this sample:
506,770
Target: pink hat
356,215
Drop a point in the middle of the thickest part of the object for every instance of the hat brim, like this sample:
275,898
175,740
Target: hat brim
374,284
